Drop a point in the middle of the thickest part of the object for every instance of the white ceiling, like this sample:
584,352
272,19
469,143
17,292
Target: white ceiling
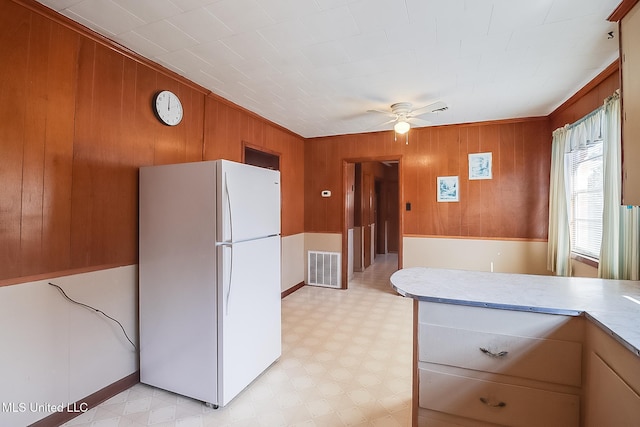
316,66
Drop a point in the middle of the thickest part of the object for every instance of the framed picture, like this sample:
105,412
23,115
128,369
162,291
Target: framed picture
480,166
448,189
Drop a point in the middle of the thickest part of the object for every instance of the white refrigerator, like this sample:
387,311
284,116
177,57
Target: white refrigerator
209,277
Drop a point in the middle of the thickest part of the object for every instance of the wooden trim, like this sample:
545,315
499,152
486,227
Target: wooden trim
622,110
291,290
89,402
256,147
585,260
614,67
459,125
380,159
623,8
55,274
320,232
344,267
495,122
510,239
261,149
345,231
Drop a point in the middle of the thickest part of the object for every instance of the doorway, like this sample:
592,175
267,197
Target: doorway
372,214
258,156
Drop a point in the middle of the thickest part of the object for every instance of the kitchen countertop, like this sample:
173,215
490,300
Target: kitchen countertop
614,305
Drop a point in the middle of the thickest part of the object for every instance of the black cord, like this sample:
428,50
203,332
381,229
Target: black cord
97,310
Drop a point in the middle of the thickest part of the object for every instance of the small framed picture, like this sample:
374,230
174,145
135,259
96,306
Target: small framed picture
448,189
480,166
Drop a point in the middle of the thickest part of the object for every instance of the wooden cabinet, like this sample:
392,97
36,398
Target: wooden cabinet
481,366
488,351
630,69
612,382
478,366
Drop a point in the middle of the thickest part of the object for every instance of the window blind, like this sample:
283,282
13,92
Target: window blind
585,167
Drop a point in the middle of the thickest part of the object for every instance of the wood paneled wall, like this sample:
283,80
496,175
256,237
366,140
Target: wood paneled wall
323,166
76,124
228,128
514,204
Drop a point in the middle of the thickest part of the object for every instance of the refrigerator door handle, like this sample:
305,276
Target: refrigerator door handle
229,245
230,281
226,190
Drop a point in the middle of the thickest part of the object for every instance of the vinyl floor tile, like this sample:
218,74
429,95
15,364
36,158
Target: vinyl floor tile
346,361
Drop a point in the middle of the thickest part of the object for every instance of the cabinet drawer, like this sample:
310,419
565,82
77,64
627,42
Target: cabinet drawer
496,402
428,418
534,358
506,322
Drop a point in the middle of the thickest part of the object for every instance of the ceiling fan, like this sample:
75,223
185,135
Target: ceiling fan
402,115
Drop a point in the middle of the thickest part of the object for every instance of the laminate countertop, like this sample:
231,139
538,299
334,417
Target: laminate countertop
614,305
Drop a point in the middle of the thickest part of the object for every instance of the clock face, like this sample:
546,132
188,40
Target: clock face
168,108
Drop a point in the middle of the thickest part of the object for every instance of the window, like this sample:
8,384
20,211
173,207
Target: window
585,168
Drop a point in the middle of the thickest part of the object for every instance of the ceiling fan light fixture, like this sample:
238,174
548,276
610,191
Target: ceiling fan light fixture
401,127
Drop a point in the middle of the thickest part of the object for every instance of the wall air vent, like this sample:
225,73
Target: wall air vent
323,269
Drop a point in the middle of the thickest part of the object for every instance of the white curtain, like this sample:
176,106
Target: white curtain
576,136
619,253
559,246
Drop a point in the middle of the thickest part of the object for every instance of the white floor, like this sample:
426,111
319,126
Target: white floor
346,361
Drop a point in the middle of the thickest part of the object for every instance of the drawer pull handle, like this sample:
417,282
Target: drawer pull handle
492,404
492,354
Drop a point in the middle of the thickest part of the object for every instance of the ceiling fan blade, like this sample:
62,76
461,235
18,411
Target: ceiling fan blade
436,106
378,126
386,113
419,122
424,113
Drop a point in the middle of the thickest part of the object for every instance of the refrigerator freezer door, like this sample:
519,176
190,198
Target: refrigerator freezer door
249,313
249,201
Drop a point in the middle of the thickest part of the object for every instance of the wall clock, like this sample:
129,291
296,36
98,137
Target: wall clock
167,107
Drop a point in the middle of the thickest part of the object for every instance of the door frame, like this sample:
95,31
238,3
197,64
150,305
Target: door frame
345,220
